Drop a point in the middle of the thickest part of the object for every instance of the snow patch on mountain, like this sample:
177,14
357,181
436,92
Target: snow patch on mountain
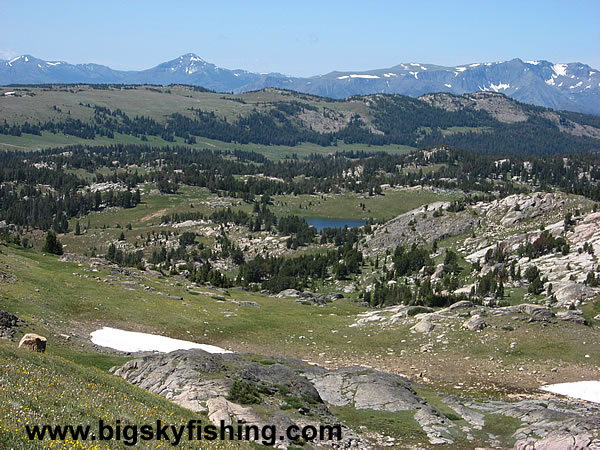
497,87
560,69
14,60
354,75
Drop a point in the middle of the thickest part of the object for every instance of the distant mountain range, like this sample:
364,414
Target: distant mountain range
572,86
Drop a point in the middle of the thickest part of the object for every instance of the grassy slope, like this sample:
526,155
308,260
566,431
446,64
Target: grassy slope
380,207
320,334
47,389
142,100
274,152
158,105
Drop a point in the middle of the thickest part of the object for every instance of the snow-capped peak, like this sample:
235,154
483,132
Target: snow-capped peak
191,57
25,58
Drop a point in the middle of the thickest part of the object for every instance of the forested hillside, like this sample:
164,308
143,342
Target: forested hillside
484,122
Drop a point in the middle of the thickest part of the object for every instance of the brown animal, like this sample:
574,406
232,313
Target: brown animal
33,342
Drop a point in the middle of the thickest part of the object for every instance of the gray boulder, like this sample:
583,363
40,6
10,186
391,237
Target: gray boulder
571,292
364,388
424,326
537,312
458,306
475,323
571,316
287,293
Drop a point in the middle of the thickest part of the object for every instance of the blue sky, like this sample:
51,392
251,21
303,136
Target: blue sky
301,37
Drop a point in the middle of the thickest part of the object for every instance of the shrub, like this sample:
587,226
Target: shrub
243,393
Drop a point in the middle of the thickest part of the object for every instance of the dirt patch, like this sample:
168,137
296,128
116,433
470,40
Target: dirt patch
158,213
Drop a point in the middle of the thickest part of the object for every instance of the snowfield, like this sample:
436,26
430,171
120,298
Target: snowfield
560,69
131,341
583,390
354,75
499,86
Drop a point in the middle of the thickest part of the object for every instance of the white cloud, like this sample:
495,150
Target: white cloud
7,54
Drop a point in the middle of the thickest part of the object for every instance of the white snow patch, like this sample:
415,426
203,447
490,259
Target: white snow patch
354,75
54,63
474,65
592,73
551,80
415,64
499,86
576,85
588,86
584,390
560,69
448,85
415,74
236,74
389,74
131,341
461,69
533,63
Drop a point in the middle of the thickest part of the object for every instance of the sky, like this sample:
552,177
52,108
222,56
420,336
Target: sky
301,38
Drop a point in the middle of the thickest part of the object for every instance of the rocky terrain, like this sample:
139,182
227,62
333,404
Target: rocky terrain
419,226
8,322
291,391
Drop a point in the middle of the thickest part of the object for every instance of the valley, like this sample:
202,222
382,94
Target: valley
466,283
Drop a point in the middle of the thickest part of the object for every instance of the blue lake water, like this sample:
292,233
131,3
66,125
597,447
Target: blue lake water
320,223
